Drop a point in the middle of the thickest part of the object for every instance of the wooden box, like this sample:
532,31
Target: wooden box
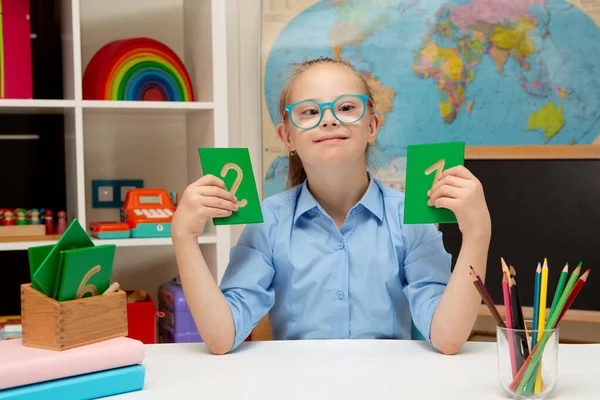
54,325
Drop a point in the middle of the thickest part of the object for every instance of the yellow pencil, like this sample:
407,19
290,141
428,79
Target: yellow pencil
542,321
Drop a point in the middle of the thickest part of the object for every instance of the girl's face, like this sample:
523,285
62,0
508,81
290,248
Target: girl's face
330,142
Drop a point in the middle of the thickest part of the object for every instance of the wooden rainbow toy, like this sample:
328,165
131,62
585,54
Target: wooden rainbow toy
138,69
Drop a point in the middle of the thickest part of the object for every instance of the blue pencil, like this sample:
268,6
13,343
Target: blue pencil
536,304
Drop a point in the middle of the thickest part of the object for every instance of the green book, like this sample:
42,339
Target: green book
424,165
85,272
234,167
46,277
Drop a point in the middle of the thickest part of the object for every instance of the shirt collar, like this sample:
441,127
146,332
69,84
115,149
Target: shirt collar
372,201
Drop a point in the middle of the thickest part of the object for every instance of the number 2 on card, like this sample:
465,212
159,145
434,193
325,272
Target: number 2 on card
438,167
238,180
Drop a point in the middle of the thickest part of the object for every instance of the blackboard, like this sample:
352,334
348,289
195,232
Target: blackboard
539,209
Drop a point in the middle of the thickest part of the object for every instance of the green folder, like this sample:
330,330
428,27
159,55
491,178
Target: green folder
85,272
424,163
45,279
234,167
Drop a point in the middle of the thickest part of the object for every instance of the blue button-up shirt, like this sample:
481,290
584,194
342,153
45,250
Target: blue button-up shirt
365,280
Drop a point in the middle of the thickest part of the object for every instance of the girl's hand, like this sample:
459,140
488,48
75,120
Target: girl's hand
461,192
206,198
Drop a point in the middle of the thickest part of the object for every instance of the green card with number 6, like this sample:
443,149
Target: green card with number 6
85,272
234,167
424,165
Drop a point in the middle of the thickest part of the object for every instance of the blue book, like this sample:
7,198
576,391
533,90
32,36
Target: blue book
88,386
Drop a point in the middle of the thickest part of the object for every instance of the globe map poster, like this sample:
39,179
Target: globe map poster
486,72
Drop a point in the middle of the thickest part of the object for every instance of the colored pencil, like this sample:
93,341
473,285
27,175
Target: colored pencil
480,281
526,370
505,269
536,303
511,338
576,289
516,324
543,296
487,299
560,287
520,324
541,321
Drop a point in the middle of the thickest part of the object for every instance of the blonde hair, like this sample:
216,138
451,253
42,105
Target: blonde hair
297,174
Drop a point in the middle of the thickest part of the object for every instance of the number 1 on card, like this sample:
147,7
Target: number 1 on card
424,166
438,167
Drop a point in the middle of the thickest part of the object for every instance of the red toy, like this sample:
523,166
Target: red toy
141,319
16,81
9,218
61,224
49,222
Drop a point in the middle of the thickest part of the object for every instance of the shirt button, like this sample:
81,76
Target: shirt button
340,295
340,245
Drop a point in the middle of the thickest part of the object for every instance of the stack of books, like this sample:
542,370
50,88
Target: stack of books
73,342
95,370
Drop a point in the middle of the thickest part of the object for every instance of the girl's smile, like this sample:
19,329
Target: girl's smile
331,138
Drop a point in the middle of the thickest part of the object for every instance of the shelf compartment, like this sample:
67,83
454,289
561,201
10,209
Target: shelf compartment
183,26
34,146
154,147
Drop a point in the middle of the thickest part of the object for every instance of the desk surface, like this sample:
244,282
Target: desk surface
347,369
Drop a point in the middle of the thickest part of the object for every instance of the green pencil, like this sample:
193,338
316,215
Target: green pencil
535,359
559,288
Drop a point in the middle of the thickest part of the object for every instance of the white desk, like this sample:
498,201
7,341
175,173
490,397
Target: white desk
345,370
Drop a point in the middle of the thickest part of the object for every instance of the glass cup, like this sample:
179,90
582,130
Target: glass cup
526,371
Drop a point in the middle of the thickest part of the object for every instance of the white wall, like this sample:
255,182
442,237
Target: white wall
244,60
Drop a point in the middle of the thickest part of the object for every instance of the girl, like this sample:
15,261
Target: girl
333,258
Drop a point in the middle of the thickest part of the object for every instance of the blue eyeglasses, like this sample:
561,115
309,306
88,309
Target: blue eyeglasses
348,109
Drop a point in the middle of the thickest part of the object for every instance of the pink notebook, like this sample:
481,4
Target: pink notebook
20,365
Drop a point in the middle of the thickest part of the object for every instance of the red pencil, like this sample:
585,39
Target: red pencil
511,343
574,292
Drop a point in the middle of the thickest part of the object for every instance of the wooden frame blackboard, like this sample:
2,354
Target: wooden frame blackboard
543,205
548,152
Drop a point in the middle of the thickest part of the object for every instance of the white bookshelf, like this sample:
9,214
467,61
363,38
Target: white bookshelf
154,141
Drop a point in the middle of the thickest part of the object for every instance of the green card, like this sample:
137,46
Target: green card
234,167
424,164
47,275
85,272
37,255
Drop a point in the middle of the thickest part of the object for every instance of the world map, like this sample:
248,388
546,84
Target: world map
486,72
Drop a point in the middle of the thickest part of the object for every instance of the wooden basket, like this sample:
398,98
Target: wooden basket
54,325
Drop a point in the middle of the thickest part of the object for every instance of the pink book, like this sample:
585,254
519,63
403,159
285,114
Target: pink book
15,50
20,365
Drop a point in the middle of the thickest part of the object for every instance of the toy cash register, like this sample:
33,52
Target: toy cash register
148,212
